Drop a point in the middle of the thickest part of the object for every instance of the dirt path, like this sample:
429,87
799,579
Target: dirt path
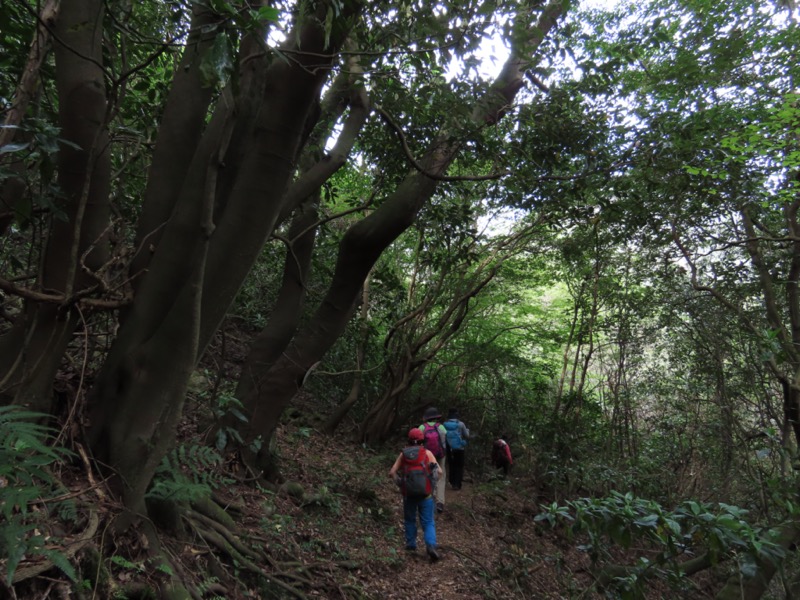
490,545
466,551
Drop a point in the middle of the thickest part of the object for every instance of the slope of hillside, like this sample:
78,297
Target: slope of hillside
351,516
490,545
333,529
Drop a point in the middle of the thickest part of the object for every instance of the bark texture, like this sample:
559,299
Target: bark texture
77,246
218,230
364,242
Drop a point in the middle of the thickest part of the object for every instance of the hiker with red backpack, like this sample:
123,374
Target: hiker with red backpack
501,455
435,436
416,472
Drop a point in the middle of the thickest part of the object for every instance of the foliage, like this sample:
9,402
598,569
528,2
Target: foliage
671,536
653,155
27,490
187,473
227,406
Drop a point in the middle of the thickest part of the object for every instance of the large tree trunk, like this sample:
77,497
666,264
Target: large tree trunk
76,247
180,131
363,244
285,316
360,248
139,392
282,323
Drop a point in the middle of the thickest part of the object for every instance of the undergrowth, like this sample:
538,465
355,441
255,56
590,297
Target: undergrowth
29,493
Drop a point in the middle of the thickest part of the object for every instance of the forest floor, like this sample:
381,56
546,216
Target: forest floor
348,529
351,515
334,529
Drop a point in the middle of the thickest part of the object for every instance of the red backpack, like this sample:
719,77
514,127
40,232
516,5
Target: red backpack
432,440
416,482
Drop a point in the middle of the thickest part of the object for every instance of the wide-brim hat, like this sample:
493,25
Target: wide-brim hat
431,413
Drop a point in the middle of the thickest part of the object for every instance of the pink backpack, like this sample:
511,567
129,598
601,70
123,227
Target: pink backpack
432,441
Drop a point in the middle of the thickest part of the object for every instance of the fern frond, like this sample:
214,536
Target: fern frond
25,455
62,562
187,473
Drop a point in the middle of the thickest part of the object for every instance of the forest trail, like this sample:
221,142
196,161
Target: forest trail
464,547
486,536
490,545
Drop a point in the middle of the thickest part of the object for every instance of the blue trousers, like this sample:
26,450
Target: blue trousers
411,506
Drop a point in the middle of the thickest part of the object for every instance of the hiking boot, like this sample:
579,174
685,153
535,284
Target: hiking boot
433,553
411,549
440,507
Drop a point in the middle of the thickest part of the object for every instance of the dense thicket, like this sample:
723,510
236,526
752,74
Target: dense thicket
589,241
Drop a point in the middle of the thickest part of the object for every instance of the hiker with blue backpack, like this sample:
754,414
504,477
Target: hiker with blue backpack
456,438
416,472
435,440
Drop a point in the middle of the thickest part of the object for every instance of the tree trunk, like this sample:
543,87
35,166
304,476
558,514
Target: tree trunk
366,240
76,246
282,324
139,392
739,587
341,411
180,131
383,415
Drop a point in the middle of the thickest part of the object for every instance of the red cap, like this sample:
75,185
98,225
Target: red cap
415,435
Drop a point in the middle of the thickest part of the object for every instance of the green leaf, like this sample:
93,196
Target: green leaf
217,63
15,147
748,567
267,13
647,521
60,560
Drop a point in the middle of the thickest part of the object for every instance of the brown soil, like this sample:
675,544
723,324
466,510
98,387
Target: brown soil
341,537
490,545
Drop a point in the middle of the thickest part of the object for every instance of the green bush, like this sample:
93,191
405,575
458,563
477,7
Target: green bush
26,484
670,536
187,473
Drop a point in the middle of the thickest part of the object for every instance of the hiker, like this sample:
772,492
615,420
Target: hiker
456,438
501,455
435,441
416,472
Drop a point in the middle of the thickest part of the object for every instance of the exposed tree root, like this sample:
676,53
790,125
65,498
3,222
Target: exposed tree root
208,507
216,535
471,558
24,572
196,519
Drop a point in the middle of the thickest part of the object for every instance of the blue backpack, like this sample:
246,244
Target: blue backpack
454,439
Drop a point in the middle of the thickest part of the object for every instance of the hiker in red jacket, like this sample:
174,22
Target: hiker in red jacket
501,455
416,472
